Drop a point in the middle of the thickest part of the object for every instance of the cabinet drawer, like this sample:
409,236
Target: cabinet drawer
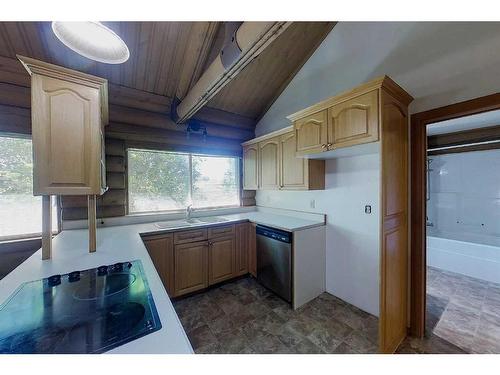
226,230
190,236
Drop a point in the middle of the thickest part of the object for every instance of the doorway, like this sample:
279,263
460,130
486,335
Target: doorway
453,291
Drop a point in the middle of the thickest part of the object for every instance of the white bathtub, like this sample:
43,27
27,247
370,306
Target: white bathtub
469,254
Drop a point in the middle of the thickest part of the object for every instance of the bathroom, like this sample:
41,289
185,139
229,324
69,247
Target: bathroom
463,231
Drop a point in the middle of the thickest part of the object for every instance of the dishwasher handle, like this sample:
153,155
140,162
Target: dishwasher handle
275,234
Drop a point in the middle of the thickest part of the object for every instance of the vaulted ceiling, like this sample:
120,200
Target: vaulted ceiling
167,58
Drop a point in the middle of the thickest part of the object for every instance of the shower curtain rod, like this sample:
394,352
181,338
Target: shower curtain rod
464,145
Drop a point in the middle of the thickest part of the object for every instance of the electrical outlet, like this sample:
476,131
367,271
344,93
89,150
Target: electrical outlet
312,203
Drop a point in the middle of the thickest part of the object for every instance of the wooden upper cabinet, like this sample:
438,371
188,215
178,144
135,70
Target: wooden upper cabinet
191,267
311,133
250,167
221,259
354,121
269,163
298,173
69,110
161,251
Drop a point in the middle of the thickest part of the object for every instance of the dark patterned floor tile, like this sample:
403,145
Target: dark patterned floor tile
201,336
234,342
344,348
361,342
306,346
268,344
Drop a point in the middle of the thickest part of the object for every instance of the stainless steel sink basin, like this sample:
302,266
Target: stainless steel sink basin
211,219
189,222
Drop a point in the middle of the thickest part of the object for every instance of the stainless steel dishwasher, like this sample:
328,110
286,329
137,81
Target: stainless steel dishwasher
274,260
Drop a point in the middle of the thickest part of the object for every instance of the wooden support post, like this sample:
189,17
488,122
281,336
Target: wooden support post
92,219
46,227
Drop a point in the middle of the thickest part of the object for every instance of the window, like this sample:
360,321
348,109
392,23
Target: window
20,211
168,181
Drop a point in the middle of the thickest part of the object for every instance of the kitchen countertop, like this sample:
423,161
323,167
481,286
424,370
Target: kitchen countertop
123,243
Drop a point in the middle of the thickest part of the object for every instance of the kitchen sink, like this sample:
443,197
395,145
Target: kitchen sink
211,219
188,222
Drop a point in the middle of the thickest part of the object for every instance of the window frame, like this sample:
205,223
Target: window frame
35,235
190,163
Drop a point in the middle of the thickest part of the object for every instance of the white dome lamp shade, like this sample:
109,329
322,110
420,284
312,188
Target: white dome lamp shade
92,40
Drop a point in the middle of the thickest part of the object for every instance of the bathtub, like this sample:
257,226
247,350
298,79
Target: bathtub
473,255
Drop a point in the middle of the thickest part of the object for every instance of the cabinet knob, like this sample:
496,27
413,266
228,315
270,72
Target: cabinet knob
323,146
329,145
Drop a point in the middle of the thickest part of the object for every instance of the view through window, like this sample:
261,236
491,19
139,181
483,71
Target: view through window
166,181
20,211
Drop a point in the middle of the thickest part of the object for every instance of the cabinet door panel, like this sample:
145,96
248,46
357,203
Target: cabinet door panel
161,251
269,163
294,171
221,259
242,246
66,137
354,121
252,250
191,264
250,167
311,133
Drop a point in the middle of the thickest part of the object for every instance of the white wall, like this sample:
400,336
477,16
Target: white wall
352,237
437,63
465,193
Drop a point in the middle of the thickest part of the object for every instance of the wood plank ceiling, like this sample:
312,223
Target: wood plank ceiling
167,58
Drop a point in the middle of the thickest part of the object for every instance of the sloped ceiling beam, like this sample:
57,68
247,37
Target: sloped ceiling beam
251,38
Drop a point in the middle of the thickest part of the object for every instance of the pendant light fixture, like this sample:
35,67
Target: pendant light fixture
92,40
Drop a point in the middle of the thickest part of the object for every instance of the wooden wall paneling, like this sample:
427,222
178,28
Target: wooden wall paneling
15,120
11,71
167,57
161,139
276,66
125,115
195,55
394,223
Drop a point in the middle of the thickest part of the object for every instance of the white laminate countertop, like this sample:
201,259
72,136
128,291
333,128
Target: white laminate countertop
123,243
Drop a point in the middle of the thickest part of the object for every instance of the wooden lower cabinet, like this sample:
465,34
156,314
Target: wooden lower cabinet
221,253
186,267
161,250
191,267
252,250
242,239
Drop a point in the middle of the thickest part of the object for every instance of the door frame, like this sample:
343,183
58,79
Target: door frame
418,152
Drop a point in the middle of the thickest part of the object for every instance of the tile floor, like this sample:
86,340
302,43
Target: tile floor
471,316
463,316
243,317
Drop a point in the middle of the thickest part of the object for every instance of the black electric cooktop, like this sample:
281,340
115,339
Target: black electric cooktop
89,311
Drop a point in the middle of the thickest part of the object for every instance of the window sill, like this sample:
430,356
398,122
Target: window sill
24,237
182,211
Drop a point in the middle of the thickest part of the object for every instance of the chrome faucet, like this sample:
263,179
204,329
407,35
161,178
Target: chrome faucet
189,211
